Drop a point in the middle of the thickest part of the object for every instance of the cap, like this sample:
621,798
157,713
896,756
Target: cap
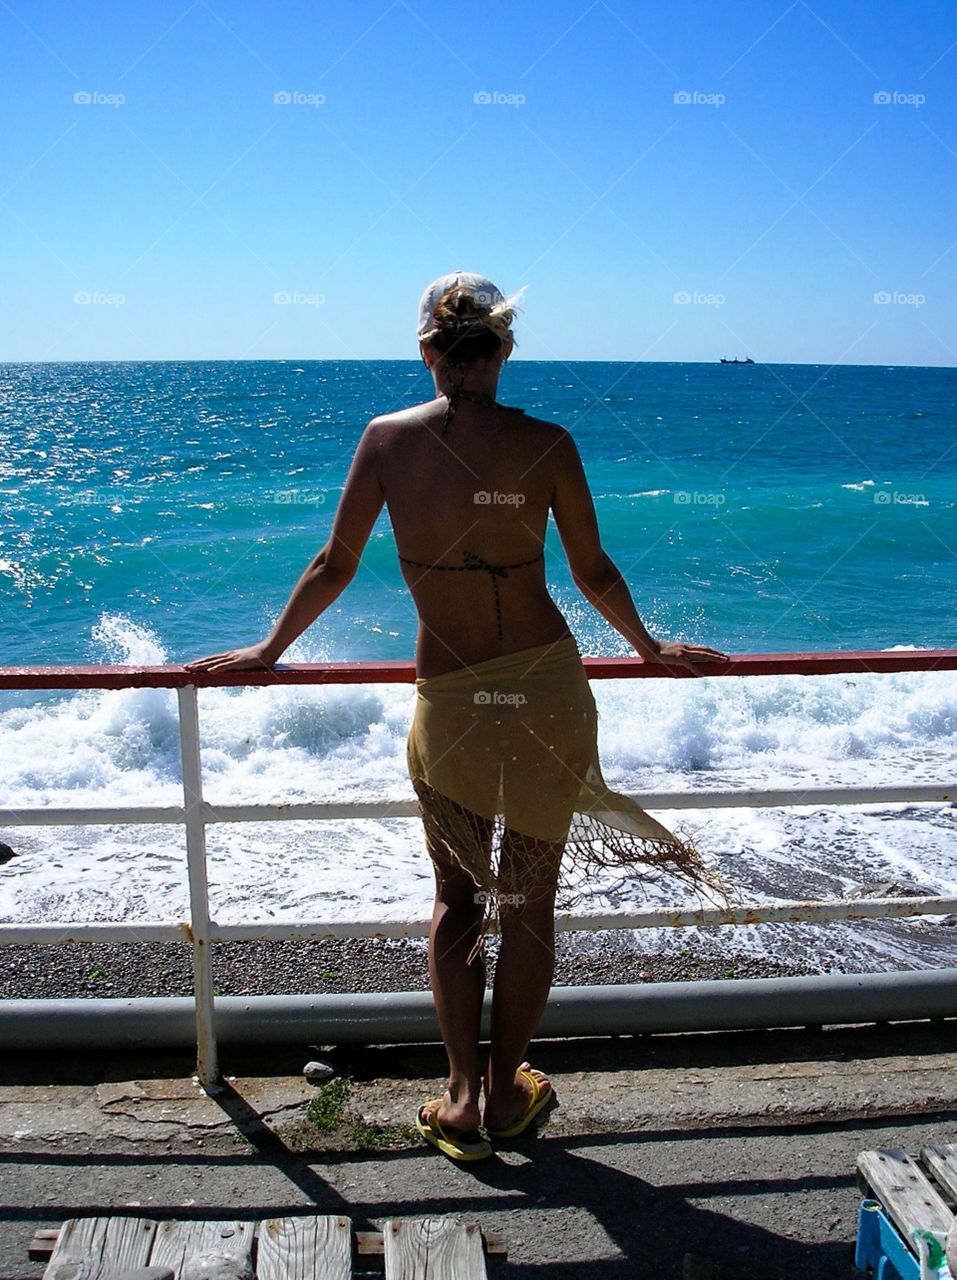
485,293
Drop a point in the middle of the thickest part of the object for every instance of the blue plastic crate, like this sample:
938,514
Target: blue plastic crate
883,1254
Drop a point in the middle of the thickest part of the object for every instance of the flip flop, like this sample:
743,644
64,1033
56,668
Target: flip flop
542,1097
457,1144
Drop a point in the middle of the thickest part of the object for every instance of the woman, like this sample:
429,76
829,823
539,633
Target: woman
502,750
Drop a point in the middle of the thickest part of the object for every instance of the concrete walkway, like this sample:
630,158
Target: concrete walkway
738,1148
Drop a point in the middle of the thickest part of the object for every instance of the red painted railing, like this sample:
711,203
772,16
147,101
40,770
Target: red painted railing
746,664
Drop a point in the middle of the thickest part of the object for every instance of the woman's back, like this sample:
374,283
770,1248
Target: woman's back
469,510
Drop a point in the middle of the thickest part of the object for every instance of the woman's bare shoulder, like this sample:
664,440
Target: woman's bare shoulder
416,415
522,431
551,438
388,435
550,430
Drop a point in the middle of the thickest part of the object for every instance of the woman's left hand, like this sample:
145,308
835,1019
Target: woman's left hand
689,656
252,658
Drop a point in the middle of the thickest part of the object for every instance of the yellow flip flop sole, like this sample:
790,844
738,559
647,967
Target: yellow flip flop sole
542,1097
457,1144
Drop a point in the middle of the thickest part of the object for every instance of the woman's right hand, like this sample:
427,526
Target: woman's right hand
253,657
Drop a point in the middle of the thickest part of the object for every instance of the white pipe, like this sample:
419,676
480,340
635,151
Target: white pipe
52,816
207,1066
652,918
765,913
51,934
782,797
743,798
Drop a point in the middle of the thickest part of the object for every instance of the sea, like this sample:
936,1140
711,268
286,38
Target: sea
153,512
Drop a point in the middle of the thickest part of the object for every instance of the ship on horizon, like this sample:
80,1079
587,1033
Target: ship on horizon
725,360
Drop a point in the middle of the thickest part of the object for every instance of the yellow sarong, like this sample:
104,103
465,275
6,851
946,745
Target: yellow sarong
503,756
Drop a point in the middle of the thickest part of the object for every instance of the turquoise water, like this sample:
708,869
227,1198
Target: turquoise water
755,508
153,512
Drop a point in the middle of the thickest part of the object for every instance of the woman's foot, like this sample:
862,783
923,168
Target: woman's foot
510,1113
456,1143
463,1114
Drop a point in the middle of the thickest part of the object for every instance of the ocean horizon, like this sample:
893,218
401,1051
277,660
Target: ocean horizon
514,361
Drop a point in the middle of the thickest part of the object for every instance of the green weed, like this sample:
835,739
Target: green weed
328,1107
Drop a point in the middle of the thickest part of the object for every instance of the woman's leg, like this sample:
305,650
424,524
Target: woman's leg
458,987
523,973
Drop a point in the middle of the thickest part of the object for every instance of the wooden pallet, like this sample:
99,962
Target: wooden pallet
912,1196
280,1249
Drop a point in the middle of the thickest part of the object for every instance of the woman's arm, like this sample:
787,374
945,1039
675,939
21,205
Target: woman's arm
327,576
594,573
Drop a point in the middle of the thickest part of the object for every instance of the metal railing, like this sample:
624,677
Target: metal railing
196,813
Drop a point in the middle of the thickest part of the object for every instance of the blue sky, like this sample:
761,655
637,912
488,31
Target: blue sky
157,198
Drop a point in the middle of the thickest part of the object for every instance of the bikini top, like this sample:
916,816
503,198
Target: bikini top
471,563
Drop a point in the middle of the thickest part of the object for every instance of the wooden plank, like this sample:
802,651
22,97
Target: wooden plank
179,1244
96,1248
305,1248
941,1160
368,1244
433,1249
909,1199
42,1243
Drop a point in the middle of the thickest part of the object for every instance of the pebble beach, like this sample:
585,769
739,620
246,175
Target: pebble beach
99,970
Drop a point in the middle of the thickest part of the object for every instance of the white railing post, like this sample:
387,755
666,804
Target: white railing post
207,1063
